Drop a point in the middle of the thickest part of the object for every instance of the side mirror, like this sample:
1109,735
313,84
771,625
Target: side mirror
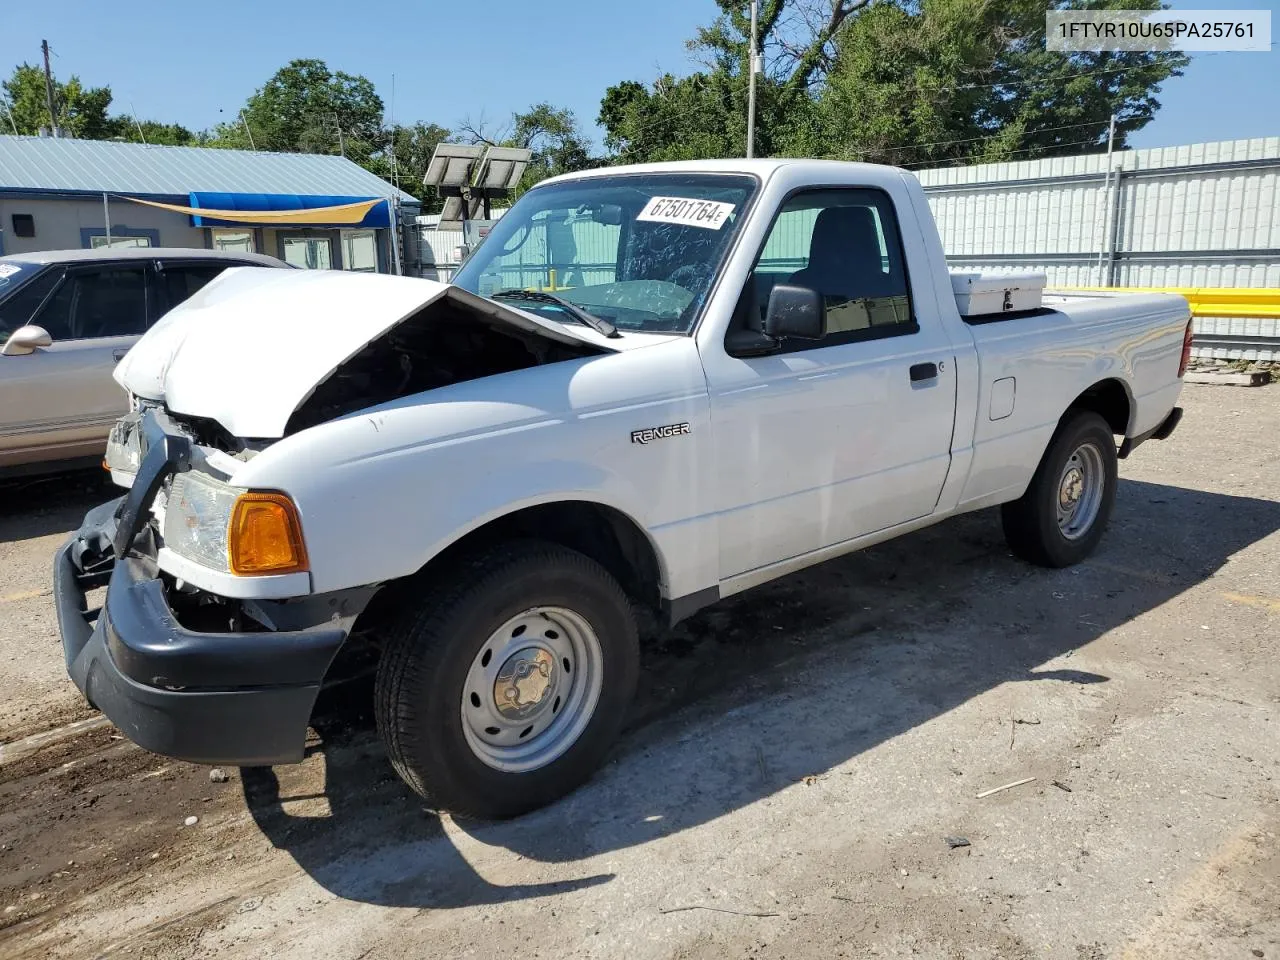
25,340
795,312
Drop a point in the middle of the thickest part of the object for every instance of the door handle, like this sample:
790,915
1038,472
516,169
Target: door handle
118,353
923,371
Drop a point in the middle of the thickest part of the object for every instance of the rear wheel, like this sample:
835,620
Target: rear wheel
506,686
1062,516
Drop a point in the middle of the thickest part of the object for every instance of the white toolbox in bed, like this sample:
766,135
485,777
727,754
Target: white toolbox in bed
979,293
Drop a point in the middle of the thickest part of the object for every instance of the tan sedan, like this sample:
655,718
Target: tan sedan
66,318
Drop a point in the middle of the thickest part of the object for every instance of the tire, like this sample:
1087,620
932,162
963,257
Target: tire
525,621
1085,449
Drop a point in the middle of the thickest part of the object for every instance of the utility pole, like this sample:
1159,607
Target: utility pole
247,131
9,110
751,87
137,123
1106,209
48,89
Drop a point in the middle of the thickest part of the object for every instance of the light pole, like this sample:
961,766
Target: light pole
751,87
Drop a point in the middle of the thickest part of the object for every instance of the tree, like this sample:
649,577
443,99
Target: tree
901,81
795,37
307,108
948,80
704,114
153,132
412,147
82,111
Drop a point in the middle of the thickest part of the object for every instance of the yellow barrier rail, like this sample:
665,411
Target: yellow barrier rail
1244,302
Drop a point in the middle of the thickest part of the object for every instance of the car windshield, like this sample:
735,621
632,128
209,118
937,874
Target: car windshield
639,250
15,309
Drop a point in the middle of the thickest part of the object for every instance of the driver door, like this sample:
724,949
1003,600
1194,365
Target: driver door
820,442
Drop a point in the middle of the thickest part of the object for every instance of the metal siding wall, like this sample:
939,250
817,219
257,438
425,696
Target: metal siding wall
1178,224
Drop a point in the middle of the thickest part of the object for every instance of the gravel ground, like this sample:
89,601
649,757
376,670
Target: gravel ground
795,766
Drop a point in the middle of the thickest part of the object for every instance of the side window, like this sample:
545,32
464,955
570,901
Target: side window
18,309
845,245
100,302
181,281
360,251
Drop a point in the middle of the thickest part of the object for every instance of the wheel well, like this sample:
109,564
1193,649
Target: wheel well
1110,400
604,534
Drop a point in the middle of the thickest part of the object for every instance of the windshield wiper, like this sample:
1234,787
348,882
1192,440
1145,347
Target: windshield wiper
602,327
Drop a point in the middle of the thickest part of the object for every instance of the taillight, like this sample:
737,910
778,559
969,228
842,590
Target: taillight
1186,350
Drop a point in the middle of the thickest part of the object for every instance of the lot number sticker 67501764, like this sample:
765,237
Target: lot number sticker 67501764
708,214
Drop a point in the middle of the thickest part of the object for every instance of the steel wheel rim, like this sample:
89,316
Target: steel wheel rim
1080,489
532,689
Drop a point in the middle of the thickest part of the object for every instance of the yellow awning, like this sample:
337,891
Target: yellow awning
341,214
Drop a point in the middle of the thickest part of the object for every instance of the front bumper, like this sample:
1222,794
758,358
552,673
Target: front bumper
241,698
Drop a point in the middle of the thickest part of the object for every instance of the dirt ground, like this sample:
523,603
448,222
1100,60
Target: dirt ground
800,778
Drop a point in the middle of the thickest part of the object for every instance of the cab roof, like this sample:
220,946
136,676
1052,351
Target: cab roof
762,168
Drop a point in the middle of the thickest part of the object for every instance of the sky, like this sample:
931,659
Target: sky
194,62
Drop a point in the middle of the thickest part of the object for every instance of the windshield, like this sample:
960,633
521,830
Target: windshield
17,306
640,251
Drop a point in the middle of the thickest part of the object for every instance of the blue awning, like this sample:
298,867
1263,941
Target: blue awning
309,206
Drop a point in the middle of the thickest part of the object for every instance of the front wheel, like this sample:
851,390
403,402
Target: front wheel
1062,516
506,686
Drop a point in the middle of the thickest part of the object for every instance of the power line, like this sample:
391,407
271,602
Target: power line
960,161
992,136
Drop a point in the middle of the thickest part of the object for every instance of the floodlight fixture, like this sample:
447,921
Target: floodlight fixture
452,164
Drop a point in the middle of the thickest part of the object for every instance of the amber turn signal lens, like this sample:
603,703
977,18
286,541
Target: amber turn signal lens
266,536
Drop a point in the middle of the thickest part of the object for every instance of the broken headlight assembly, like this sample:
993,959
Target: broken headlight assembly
226,528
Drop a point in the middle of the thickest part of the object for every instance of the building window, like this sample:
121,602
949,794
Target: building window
121,236
240,241
24,225
102,241
313,253
360,251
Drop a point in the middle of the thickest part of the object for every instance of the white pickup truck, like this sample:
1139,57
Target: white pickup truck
650,387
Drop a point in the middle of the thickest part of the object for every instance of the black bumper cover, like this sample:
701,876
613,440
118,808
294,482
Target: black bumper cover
234,698
1161,432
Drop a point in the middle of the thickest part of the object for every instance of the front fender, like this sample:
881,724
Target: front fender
382,492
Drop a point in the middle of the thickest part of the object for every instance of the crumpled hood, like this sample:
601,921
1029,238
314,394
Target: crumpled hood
253,344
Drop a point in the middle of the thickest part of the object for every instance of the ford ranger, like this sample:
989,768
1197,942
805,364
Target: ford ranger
648,389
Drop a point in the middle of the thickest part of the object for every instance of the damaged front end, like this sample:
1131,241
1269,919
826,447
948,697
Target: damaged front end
182,671
444,343
195,654
265,353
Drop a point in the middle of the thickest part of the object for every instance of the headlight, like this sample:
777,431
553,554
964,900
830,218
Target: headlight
236,531
196,518
124,449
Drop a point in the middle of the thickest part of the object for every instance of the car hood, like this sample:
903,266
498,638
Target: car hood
253,345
